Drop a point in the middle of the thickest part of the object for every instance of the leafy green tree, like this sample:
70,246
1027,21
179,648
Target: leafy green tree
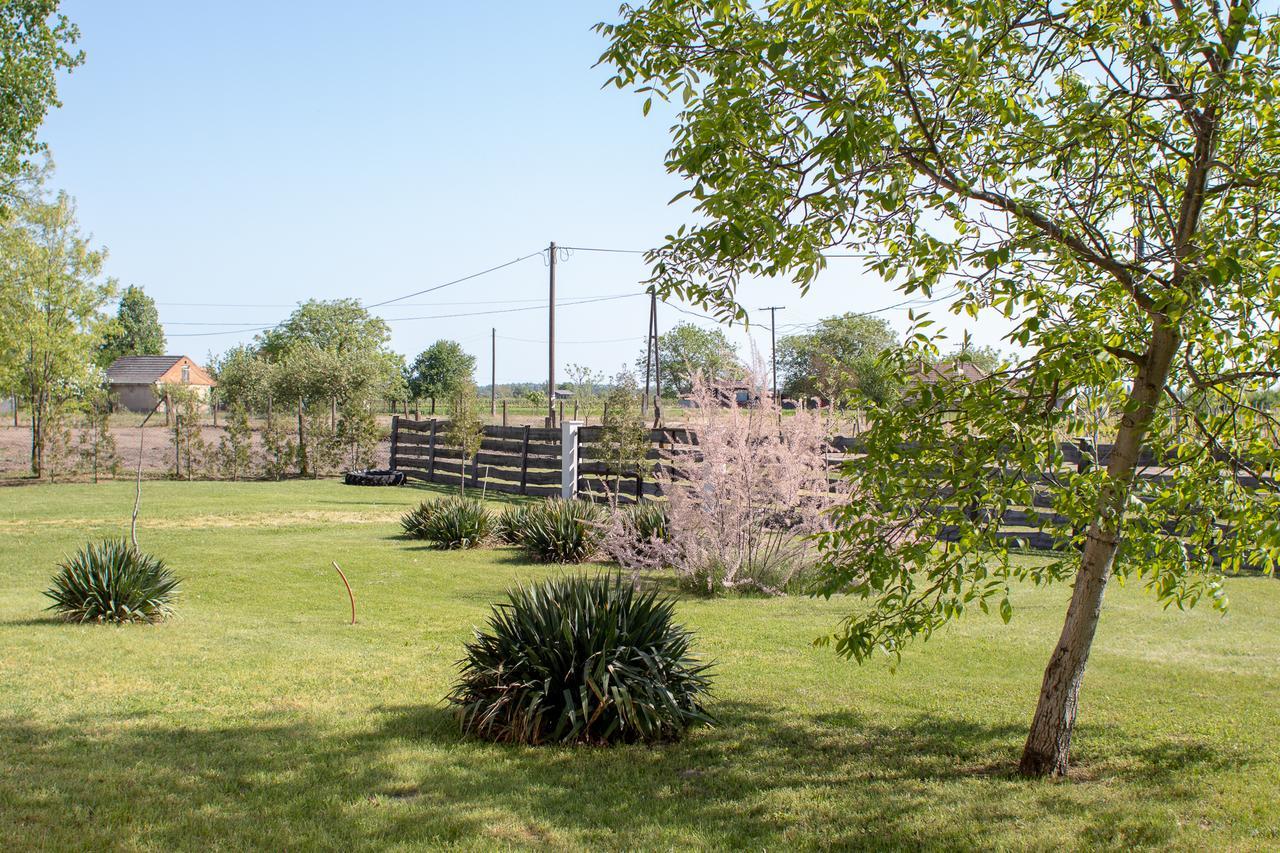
1105,176
51,299
36,43
244,378
686,351
136,330
440,370
624,437
465,429
340,326
838,357
235,448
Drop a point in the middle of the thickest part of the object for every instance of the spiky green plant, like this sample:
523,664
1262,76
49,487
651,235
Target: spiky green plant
414,521
563,531
509,526
457,523
112,581
581,660
649,521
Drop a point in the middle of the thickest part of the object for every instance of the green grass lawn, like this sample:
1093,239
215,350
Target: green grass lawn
259,718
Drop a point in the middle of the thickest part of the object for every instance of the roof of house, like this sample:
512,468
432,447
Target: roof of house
150,369
952,370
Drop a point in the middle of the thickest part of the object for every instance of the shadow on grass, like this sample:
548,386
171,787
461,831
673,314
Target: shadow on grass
760,779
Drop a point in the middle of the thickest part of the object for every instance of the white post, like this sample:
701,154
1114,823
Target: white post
569,459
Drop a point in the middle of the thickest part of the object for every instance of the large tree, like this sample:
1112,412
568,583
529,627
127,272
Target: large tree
51,298
136,330
440,370
1106,175
686,351
36,43
838,357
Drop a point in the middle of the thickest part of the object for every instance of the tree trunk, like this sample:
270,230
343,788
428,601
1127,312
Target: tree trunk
1048,747
302,444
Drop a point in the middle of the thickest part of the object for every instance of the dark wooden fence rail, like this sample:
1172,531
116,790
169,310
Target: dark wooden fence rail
512,460
527,461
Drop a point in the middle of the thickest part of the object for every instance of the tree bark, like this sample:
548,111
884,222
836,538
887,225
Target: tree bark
1048,747
302,443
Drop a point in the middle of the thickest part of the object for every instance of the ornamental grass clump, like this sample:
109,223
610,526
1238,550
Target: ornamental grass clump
414,522
452,523
581,660
563,531
745,501
112,581
511,522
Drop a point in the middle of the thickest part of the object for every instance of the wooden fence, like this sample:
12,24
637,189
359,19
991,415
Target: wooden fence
529,461
514,460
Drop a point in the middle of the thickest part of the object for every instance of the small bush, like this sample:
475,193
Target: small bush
561,531
511,523
414,521
581,660
453,523
112,582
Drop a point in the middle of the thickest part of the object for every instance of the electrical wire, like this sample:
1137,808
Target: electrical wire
455,281
586,301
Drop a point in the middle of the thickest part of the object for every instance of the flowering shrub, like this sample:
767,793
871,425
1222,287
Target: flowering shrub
744,499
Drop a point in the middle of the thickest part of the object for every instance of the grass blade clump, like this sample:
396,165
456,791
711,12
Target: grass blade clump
581,660
112,581
452,523
563,531
511,523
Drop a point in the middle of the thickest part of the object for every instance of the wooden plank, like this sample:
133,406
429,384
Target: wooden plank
524,462
550,452
395,440
431,467
551,436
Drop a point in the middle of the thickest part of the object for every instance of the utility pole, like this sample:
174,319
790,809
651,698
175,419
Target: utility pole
773,337
551,340
493,372
650,346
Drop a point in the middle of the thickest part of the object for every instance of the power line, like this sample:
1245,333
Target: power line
457,281
586,301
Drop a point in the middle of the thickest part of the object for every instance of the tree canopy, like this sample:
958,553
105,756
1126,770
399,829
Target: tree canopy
839,357
686,350
1104,175
440,370
36,42
51,297
136,329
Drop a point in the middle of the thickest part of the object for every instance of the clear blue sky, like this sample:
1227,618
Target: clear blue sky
259,154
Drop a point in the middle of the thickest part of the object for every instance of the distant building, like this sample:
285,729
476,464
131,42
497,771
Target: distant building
137,381
951,370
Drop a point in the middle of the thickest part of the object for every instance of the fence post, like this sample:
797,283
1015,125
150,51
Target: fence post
524,462
569,459
504,412
431,457
395,441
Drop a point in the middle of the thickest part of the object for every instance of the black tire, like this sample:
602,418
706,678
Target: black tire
374,478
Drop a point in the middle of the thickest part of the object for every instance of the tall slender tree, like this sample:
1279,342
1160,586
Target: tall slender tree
136,329
1106,175
51,297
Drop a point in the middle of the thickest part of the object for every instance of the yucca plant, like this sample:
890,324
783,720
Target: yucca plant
563,531
511,523
649,521
457,523
415,520
112,581
581,660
